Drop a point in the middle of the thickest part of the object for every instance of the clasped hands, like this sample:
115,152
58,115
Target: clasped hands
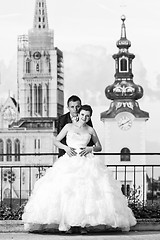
72,151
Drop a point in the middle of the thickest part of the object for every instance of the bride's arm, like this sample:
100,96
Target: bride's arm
97,145
59,137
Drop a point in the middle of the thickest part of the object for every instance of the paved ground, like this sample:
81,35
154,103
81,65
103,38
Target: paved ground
144,235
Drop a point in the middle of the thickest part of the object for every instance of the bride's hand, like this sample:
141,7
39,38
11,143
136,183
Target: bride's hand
85,151
70,151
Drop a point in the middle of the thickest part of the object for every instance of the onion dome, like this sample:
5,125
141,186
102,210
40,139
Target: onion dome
124,92
123,87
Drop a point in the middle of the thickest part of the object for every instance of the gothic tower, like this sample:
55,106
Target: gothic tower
124,121
40,101
40,69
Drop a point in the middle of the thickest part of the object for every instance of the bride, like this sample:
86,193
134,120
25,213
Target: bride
78,190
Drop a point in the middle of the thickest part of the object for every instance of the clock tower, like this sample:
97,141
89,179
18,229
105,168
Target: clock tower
124,121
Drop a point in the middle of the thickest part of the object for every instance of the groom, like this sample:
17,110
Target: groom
73,105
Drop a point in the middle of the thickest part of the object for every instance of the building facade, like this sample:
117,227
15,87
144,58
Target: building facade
28,123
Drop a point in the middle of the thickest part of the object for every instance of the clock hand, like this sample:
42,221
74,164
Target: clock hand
124,123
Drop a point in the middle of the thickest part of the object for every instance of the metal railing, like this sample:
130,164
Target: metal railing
140,183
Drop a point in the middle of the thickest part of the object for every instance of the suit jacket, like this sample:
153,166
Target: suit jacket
62,121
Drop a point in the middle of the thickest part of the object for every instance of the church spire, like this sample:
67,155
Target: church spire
124,87
123,29
124,92
40,16
123,42
40,36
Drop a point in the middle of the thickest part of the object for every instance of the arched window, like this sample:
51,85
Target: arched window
40,99
30,97
47,99
37,67
35,98
125,189
125,154
28,67
49,66
9,150
17,150
123,65
1,150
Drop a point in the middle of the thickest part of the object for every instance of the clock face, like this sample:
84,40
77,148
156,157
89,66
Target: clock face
125,122
37,55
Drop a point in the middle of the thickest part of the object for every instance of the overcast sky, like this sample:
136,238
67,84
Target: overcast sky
87,31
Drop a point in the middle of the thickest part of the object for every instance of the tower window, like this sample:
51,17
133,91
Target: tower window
47,99
49,66
9,150
37,67
39,19
39,144
123,65
28,70
39,4
35,99
125,154
40,99
17,150
30,97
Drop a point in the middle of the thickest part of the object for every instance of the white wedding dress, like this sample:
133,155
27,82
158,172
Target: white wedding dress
77,191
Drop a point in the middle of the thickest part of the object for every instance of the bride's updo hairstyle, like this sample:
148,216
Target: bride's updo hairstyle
86,108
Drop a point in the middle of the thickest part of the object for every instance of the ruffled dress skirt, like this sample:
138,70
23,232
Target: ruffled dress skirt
77,191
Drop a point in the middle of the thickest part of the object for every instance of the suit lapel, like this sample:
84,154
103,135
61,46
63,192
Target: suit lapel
68,118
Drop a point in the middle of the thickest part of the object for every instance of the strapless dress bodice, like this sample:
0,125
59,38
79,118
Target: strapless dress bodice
77,140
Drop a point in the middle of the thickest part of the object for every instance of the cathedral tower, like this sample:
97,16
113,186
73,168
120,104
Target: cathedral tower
40,69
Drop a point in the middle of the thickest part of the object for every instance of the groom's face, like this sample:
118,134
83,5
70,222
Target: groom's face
73,108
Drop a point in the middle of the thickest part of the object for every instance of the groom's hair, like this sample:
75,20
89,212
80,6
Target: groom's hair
86,108
73,98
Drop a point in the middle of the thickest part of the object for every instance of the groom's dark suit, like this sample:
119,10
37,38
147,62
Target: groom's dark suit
62,121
